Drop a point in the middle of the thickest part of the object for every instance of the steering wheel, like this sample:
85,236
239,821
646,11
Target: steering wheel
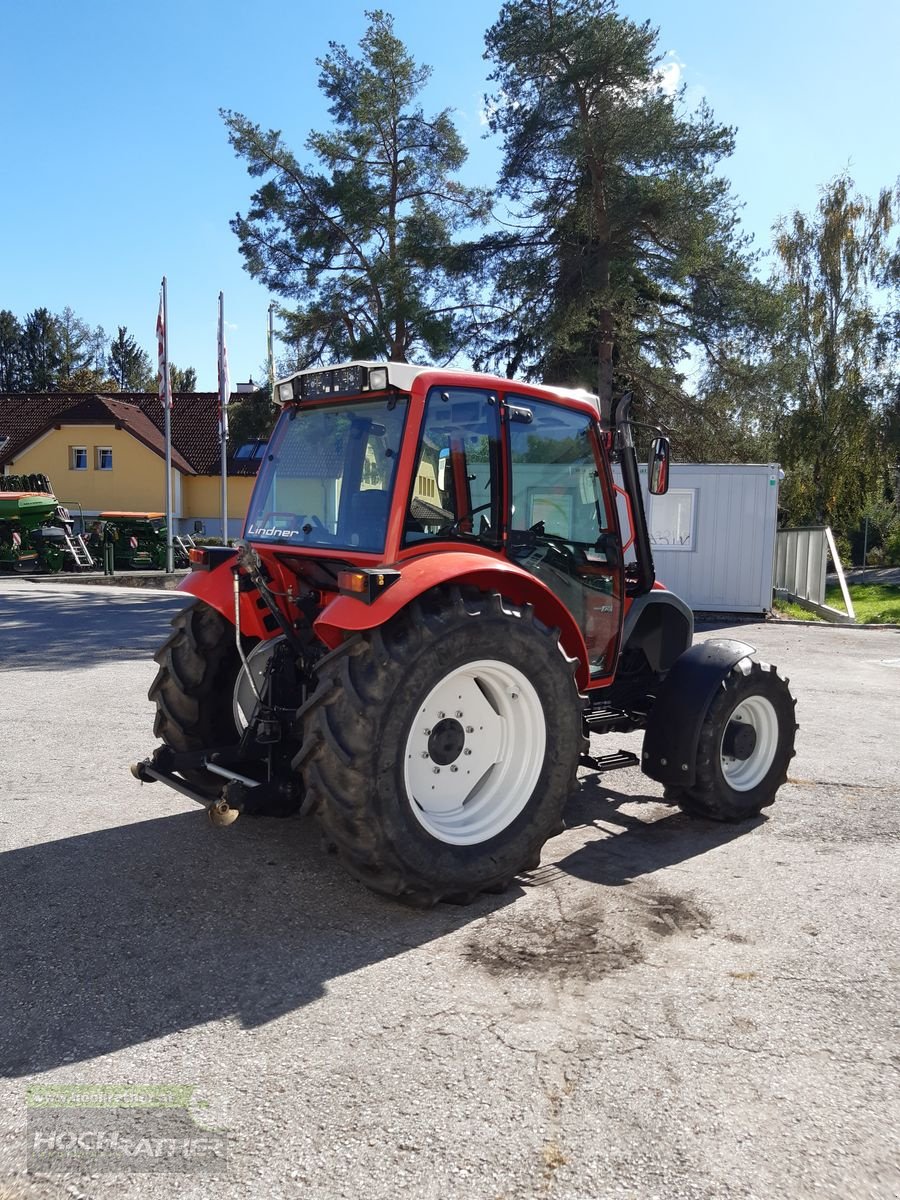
290,518
454,525
294,519
306,523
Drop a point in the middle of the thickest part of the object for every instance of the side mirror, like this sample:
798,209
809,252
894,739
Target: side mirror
658,471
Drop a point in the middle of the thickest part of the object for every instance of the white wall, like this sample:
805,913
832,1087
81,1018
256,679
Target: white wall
725,562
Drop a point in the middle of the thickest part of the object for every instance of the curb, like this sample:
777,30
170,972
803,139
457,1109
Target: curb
828,624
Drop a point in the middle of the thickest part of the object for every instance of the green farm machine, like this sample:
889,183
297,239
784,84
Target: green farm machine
36,532
139,541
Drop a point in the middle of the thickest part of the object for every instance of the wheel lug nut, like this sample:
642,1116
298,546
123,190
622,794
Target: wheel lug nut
459,714
426,732
467,751
441,715
454,767
436,770
470,729
425,754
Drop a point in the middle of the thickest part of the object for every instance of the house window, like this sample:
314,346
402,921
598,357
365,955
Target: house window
104,458
78,458
672,520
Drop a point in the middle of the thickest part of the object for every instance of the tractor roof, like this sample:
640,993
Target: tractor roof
403,375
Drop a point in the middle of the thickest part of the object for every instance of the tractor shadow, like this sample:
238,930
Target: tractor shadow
75,628
638,845
113,938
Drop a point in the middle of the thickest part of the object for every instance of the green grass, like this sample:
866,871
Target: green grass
874,603
794,611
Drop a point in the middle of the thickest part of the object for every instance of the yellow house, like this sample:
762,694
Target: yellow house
107,452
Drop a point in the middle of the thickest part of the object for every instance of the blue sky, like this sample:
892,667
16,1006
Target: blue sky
116,168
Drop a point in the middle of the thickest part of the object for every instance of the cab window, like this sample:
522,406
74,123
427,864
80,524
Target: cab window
456,484
561,525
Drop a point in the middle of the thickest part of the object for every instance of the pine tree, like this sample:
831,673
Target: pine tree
75,348
10,352
363,235
622,251
128,364
41,352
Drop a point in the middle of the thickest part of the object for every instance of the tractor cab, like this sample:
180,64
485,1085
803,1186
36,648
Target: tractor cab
394,464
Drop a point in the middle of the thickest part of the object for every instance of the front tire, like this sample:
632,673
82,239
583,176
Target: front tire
440,749
746,743
194,687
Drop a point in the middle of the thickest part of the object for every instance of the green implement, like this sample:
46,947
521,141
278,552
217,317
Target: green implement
36,533
139,541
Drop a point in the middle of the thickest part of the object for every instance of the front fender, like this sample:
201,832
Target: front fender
216,588
347,615
684,697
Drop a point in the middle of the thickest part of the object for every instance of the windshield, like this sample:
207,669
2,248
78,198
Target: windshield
328,476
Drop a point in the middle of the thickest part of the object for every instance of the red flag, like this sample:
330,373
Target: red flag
165,391
224,380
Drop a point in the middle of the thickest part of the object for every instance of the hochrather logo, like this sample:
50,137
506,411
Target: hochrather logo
259,531
107,1128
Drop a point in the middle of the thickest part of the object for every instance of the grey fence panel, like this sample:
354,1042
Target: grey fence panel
801,557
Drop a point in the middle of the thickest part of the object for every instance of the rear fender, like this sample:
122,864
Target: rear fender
660,624
346,615
684,697
216,588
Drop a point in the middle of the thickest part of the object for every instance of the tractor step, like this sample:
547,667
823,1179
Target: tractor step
606,717
610,762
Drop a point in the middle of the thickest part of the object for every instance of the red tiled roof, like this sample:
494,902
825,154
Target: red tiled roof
195,424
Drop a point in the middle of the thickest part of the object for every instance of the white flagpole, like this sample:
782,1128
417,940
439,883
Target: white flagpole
270,342
224,390
165,385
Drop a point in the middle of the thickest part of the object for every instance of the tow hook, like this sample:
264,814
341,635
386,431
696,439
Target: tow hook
221,813
239,793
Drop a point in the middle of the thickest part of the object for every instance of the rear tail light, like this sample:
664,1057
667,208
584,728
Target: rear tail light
199,558
366,584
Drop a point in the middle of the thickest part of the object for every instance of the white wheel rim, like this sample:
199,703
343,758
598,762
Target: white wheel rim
742,774
491,711
244,698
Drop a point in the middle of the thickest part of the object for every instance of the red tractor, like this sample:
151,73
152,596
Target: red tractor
429,612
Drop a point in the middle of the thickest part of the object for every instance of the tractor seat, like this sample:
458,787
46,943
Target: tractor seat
367,519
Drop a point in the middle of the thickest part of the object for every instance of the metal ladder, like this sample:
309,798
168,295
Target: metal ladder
76,546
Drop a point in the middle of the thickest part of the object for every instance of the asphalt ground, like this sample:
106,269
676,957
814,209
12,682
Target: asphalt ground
668,1008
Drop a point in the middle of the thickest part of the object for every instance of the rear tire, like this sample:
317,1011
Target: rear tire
367,775
194,687
734,781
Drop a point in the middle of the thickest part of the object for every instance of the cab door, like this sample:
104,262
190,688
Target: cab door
562,524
